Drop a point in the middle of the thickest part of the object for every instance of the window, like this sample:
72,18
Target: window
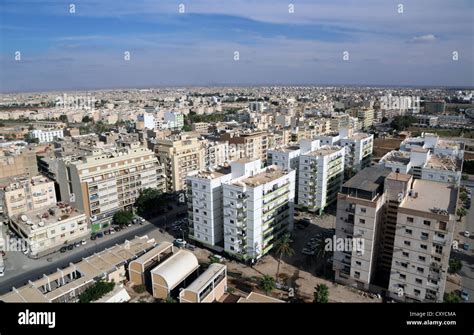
442,225
362,221
356,274
409,219
402,276
417,292
420,269
418,281
423,246
438,249
405,254
408,243
424,236
408,231
358,263
363,210
422,258
405,265
427,223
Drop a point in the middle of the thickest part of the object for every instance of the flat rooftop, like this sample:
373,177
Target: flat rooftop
368,179
270,174
45,217
212,271
206,174
397,157
359,136
447,163
399,176
431,195
324,150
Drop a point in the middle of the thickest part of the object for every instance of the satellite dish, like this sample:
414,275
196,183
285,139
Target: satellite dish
34,227
24,218
41,223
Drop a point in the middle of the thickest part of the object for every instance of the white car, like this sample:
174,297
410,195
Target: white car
83,242
467,233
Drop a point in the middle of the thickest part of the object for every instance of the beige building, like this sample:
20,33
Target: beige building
172,274
139,268
365,116
48,229
210,286
200,127
253,145
179,157
66,285
17,160
104,182
422,246
25,194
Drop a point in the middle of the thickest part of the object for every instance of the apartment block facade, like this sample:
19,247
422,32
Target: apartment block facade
320,177
179,156
103,182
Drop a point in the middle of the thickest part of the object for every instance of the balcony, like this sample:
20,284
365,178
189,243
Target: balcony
439,240
350,210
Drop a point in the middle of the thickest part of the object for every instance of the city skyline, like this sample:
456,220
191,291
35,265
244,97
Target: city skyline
85,50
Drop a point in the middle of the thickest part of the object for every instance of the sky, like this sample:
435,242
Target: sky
48,45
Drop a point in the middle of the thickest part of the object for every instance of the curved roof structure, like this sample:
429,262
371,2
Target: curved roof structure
176,268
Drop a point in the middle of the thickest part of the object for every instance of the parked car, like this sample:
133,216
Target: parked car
77,244
63,250
83,242
100,235
70,247
179,242
464,295
93,237
467,234
141,220
465,246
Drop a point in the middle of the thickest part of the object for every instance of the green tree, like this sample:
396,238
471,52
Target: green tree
170,300
463,196
384,119
87,118
30,139
455,265
267,284
452,297
461,212
283,249
123,217
63,118
400,123
96,291
139,288
321,294
149,201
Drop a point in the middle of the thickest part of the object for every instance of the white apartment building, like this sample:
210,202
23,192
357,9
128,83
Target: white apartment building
359,148
46,136
23,195
425,225
146,120
174,120
360,214
258,210
104,182
216,153
320,176
205,206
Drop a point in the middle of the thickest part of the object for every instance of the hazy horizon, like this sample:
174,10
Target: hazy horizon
85,50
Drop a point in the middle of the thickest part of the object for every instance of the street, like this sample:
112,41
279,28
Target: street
467,257
20,269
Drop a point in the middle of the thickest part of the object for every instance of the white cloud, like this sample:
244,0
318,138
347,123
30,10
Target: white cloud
424,39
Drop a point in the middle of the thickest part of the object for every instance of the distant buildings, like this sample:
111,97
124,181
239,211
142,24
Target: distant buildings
47,135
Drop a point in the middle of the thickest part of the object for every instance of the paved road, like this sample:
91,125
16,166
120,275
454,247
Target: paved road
467,257
62,260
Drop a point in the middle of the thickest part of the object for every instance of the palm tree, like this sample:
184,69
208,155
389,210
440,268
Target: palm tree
283,248
321,294
267,284
461,212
